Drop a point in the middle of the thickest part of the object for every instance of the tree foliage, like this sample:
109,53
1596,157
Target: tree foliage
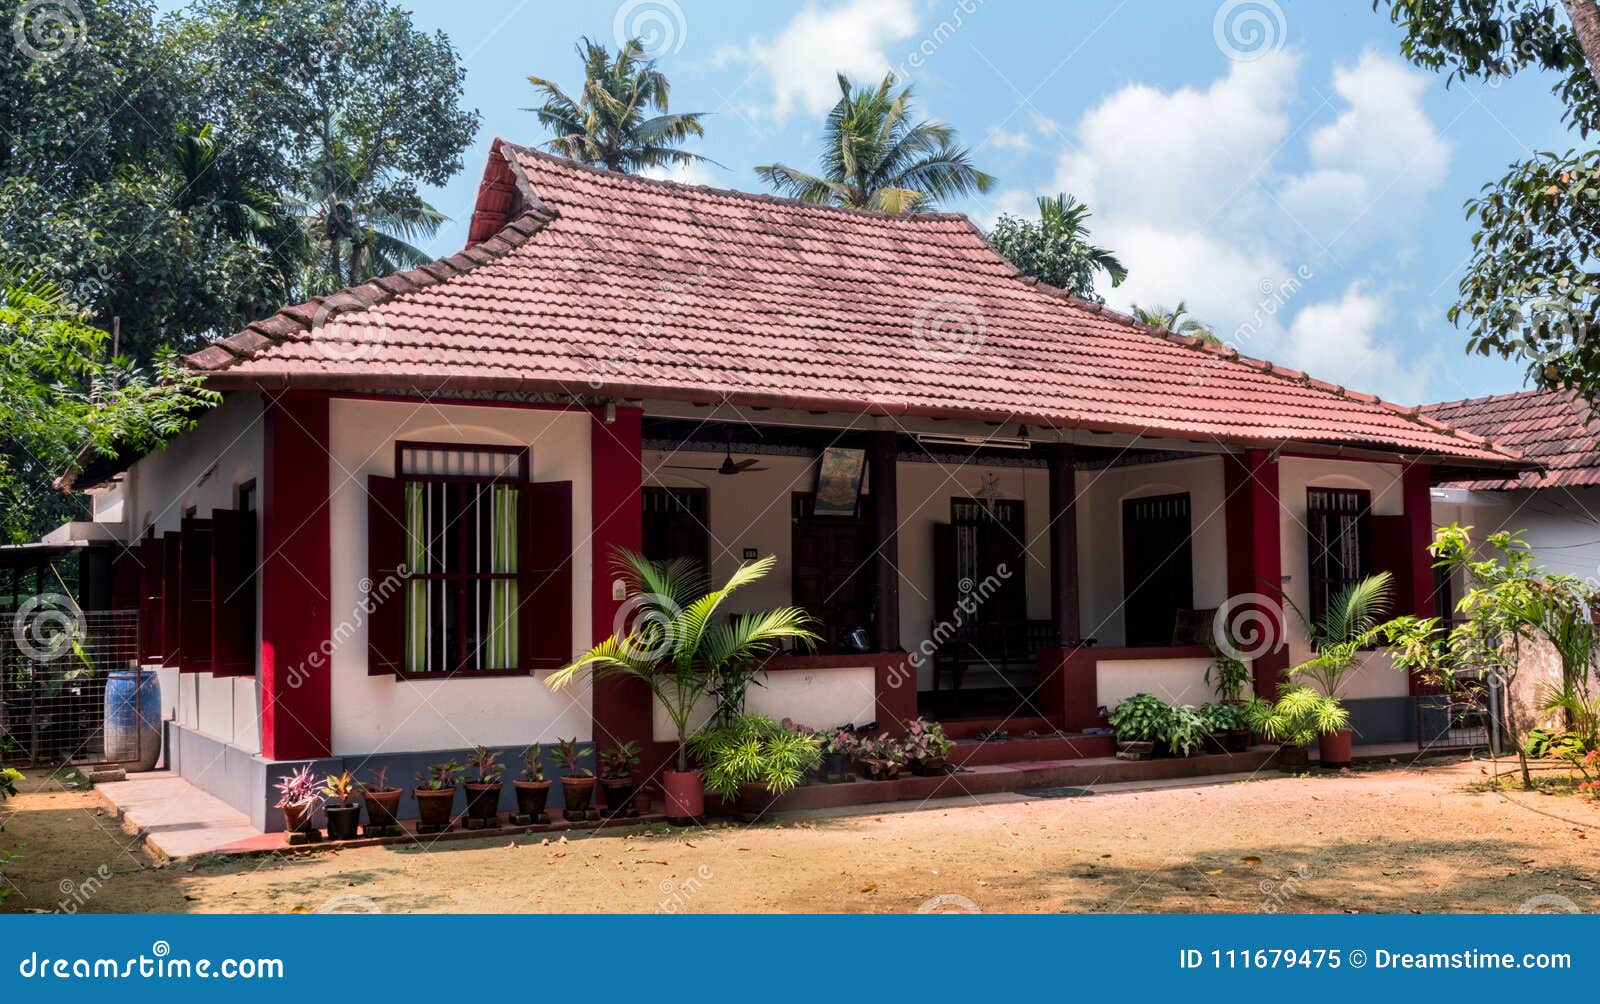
610,122
1532,289
1177,320
63,394
1056,249
876,156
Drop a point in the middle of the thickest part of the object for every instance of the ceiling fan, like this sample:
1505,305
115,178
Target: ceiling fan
728,466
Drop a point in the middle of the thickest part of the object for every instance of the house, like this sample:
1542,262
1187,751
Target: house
1008,507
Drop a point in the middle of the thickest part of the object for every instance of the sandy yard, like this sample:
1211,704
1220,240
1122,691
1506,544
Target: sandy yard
1392,840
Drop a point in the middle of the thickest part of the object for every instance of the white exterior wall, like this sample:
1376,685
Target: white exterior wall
1376,677
201,468
1100,497
1560,525
1176,681
377,714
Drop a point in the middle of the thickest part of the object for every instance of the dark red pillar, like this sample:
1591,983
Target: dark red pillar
1255,561
296,615
883,456
1061,459
622,707
1417,497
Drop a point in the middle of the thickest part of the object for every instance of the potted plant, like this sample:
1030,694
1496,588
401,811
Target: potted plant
753,760
617,765
1138,723
683,649
577,781
1227,676
1347,627
1185,730
839,747
1226,727
532,788
436,795
483,794
927,748
1295,720
880,757
299,797
383,802
344,816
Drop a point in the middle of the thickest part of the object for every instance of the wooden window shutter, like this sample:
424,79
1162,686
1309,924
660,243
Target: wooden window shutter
194,586
171,605
386,552
544,574
233,593
152,571
1390,538
127,585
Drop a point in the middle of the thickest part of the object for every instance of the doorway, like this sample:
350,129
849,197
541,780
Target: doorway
832,574
1157,567
675,525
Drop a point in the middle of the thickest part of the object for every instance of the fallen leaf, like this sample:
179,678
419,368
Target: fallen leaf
1250,859
1214,871
870,888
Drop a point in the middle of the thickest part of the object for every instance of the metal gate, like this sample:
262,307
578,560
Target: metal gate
1463,719
57,663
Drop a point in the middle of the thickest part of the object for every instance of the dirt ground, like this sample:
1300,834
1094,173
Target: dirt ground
1392,840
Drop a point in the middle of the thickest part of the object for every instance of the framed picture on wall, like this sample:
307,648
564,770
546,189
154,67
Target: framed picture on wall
839,481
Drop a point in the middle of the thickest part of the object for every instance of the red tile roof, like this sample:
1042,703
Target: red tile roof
585,281
1549,426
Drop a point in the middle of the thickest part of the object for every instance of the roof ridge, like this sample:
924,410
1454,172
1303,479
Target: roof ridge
639,179
1412,413
296,319
1566,392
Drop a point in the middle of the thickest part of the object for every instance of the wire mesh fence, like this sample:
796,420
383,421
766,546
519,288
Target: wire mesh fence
1463,718
71,690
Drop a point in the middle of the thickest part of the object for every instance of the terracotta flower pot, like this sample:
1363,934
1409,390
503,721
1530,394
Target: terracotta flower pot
618,794
834,767
343,821
576,793
1333,748
532,796
297,816
1238,740
483,800
383,807
435,806
754,800
684,792
1292,757
931,767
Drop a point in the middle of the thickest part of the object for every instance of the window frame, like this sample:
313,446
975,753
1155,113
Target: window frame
1317,549
522,479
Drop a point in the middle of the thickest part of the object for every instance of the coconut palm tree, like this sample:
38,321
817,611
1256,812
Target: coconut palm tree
1178,320
876,157
610,122
1056,249
679,643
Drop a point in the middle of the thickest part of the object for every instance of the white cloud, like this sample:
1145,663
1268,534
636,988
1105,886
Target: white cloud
1345,341
1006,139
692,173
804,58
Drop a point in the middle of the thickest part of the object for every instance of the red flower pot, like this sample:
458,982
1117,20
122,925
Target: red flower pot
483,801
684,792
383,807
576,793
532,796
297,817
435,806
1333,748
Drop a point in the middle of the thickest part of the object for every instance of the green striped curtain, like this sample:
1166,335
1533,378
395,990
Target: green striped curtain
416,589
502,640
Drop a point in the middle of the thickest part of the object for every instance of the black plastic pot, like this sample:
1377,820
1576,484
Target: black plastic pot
343,821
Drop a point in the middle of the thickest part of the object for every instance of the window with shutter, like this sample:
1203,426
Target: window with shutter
1338,520
152,577
233,593
171,601
194,588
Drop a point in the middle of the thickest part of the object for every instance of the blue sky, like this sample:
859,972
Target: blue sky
1228,149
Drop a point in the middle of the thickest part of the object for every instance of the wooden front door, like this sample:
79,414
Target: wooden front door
1157,567
675,525
832,574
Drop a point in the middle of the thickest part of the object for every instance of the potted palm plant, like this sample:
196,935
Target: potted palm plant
383,803
1349,625
532,789
483,794
617,764
1295,720
298,797
436,795
577,780
344,815
684,649
753,760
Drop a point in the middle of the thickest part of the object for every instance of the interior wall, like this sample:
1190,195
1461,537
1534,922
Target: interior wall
373,714
201,468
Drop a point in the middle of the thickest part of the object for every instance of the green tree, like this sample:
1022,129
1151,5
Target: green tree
876,157
1531,289
1056,249
621,119
1178,320
63,394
